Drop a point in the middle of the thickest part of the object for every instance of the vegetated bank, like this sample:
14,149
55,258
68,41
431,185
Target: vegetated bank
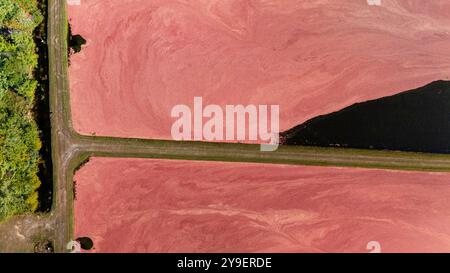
20,93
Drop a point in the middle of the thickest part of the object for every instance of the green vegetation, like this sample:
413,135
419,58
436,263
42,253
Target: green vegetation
19,133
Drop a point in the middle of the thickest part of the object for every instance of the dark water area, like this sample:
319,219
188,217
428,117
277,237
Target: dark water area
75,42
417,120
42,114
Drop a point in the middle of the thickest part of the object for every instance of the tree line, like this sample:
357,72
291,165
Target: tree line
19,134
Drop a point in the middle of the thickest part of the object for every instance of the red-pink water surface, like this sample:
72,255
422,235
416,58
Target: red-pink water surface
146,205
311,57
